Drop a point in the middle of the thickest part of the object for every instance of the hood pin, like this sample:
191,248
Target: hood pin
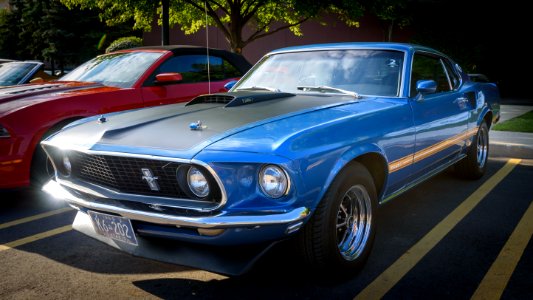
197,125
102,119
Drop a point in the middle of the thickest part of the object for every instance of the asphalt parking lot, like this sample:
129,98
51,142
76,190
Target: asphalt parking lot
447,238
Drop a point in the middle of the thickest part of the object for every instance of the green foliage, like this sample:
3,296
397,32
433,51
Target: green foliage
124,43
523,123
48,30
230,16
392,13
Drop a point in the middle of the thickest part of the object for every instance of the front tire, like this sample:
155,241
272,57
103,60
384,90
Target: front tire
474,165
341,232
42,169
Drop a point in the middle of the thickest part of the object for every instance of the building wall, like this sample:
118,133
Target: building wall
4,4
313,32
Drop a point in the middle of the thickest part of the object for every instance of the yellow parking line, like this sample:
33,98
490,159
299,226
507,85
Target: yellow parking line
496,279
36,217
384,282
34,238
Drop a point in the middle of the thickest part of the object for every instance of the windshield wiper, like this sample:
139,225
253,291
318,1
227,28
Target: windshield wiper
260,88
325,89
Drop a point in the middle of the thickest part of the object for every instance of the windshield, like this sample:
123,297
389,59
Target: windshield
366,72
119,69
13,73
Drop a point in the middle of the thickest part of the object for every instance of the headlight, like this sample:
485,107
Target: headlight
67,166
4,133
197,182
273,181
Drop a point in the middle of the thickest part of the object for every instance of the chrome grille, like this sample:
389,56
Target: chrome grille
124,173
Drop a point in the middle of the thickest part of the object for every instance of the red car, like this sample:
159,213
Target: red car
122,80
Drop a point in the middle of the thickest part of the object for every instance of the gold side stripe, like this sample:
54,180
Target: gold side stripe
431,150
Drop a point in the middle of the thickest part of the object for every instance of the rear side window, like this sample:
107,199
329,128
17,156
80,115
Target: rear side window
452,74
426,67
193,68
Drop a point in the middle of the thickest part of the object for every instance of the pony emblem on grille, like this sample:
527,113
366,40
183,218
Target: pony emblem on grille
150,178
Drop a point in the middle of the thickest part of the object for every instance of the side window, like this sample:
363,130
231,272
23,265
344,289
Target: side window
193,68
221,69
230,71
452,74
427,67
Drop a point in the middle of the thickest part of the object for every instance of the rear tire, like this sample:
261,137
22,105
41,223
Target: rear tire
341,232
474,165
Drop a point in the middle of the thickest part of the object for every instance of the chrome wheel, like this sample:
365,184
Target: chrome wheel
482,146
354,220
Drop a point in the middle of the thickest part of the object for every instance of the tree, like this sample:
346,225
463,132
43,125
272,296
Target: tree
262,17
48,30
392,13
9,29
124,43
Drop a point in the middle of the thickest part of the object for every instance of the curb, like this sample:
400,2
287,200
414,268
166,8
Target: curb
501,149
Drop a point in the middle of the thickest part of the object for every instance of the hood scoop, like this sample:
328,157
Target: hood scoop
239,98
212,98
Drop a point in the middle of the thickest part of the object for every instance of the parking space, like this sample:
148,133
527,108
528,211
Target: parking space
447,238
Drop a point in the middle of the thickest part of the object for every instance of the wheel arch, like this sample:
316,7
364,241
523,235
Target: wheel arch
50,130
376,164
487,118
372,158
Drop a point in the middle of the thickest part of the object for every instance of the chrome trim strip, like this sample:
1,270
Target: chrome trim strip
221,220
223,200
106,193
410,159
421,179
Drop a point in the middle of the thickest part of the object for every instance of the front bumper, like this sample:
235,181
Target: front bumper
222,220
242,240
14,172
227,260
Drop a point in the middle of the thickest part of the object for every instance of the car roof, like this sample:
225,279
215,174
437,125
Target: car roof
358,45
238,60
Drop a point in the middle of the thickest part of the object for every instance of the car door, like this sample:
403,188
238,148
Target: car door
196,74
440,118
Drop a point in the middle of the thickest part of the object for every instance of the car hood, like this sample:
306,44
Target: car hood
14,97
166,130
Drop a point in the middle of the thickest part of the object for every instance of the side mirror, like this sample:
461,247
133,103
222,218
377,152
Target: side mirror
168,78
230,84
426,86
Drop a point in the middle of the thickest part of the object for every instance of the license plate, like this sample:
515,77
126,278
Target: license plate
116,228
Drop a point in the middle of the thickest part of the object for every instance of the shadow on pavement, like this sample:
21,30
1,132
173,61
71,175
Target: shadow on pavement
279,275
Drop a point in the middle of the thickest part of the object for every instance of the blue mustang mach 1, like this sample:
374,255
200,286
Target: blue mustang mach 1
305,146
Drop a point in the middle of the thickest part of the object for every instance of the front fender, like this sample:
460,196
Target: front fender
351,155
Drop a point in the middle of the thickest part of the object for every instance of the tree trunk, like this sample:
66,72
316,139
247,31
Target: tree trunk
389,31
165,23
236,45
